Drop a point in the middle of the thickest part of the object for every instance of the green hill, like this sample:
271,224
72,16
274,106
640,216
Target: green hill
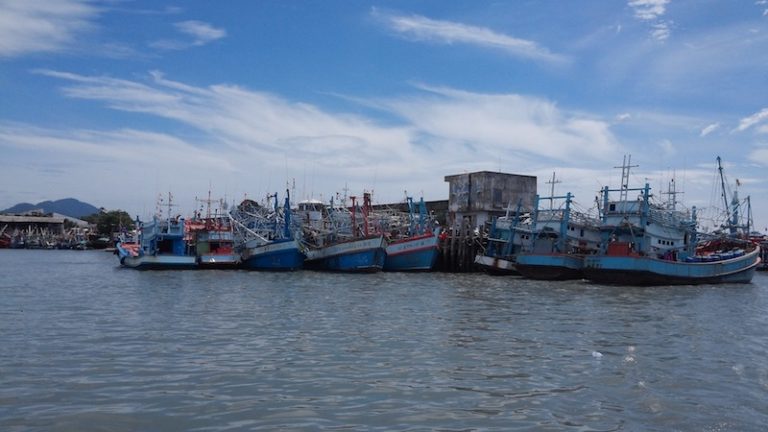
67,206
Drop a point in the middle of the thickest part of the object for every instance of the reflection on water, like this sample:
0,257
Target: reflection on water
87,345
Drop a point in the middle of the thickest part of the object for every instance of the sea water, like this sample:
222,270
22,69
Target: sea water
86,345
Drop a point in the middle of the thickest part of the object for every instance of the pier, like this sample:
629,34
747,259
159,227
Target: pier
458,248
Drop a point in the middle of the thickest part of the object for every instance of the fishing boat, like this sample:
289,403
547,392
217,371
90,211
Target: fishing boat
212,240
763,255
211,237
266,236
507,235
339,241
5,239
645,244
560,241
413,253
412,243
161,245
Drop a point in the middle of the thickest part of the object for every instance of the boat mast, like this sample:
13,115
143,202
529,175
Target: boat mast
731,227
287,215
411,218
354,218
625,167
552,182
561,241
672,192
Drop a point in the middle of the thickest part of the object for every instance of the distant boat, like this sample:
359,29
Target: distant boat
412,244
5,239
212,242
211,237
560,242
645,244
266,237
336,240
161,244
763,256
505,241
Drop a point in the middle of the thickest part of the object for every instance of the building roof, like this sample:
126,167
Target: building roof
31,219
452,176
76,221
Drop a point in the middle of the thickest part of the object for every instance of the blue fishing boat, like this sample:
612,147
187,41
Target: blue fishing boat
365,255
561,239
645,244
505,240
414,253
416,249
266,236
161,245
340,242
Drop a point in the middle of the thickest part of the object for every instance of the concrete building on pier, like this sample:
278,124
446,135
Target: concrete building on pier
480,196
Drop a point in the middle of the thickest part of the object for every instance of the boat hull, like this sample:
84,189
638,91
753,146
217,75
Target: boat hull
412,254
496,266
218,261
634,270
364,255
550,266
278,256
159,262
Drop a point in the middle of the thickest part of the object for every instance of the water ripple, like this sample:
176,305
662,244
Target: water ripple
87,345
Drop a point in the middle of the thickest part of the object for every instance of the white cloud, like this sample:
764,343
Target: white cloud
651,11
33,26
506,124
121,168
253,129
623,117
752,120
263,138
125,146
695,60
709,129
201,33
667,149
759,156
660,31
648,10
447,32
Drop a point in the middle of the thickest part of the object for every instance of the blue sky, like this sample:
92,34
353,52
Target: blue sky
113,102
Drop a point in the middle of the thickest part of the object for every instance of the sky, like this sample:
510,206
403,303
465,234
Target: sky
114,102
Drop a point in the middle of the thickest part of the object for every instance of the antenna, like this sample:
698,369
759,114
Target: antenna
672,192
625,167
552,182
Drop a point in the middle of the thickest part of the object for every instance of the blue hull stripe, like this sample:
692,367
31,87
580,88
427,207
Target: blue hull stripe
649,271
421,260
370,260
288,259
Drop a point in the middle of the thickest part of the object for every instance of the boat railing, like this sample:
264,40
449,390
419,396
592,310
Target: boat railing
670,218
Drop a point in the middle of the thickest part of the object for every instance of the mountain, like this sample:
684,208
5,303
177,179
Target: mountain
67,206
